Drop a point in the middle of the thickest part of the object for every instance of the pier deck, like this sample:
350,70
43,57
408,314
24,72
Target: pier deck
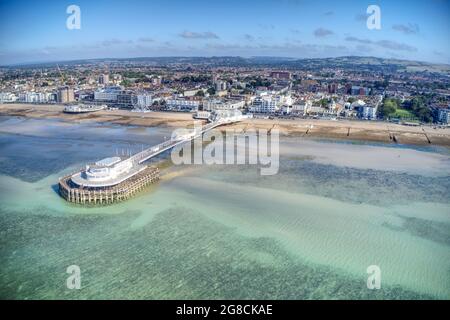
107,195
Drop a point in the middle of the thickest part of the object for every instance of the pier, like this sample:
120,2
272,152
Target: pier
124,190
116,179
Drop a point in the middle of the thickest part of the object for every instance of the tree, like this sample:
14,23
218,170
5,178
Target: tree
125,83
418,106
211,91
424,114
388,107
200,93
323,102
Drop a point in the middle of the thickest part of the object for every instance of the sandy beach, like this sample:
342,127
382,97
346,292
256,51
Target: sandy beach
341,129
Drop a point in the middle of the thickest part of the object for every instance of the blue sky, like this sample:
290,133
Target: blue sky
32,31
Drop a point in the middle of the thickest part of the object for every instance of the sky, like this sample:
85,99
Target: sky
36,31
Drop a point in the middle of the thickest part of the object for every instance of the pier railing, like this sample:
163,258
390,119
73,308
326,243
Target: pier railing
168,144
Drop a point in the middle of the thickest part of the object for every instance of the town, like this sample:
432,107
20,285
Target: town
195,154
409,93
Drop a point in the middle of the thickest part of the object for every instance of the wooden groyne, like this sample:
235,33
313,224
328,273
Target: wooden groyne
426,136
107,195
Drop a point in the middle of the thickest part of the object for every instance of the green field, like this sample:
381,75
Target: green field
402,114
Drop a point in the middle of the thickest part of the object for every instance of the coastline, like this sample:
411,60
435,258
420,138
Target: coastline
372,131
312,209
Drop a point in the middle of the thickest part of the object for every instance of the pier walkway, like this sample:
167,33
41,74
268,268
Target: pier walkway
114,179
153,151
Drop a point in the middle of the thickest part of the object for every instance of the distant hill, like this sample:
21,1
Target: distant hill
346,62
374,62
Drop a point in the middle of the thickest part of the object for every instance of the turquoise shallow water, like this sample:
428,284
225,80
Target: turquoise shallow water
308,232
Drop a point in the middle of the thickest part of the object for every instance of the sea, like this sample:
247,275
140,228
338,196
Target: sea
334,211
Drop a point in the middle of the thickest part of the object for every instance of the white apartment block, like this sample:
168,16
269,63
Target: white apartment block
367,112
181,104
220,85
267,103
216,104
34,97
144,100
7,97
443,115
264,104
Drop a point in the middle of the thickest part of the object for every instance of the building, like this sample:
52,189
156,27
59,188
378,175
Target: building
285,109
368,112
192,92
7,97
103,79
284,99
114,95
270,103
443,115
357,104
203,115
126,99
359,91
144,100
332,88
117,78
217,104
264,104
230,115
222,93
85,96
285,75
182,104
317,110
157,81
107,181
109,94
301,107
34,97
65,95
220,85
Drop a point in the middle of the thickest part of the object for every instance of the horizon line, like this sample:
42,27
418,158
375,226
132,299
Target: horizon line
24,64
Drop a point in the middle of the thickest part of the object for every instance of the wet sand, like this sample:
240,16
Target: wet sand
147,119
376,131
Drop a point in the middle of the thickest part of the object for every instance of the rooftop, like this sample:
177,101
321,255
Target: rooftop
80,178
107,162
